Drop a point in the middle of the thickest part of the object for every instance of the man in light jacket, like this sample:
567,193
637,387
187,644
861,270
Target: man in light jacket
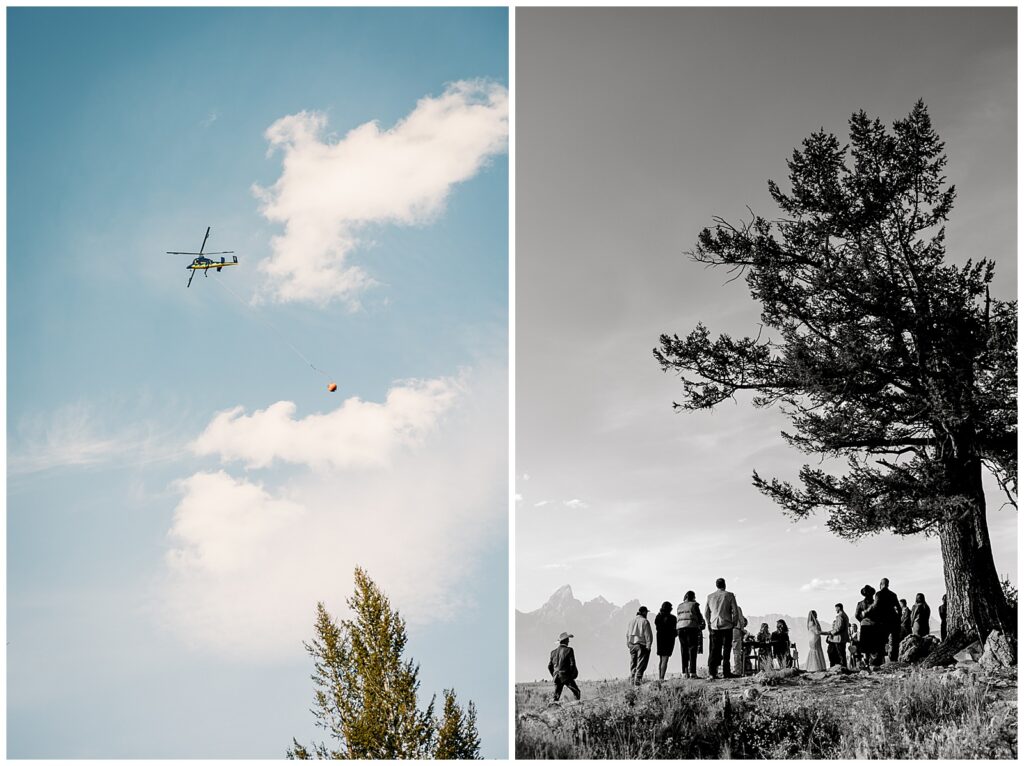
722,616
639,639
838,638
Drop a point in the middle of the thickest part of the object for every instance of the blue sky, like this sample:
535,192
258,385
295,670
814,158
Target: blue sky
163,563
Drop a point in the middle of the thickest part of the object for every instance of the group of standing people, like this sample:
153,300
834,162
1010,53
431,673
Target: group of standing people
722,618
884,621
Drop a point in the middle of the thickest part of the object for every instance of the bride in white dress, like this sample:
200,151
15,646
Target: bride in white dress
816,657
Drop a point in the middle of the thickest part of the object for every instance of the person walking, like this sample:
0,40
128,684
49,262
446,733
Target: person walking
889,618
639,639
815,657
721,615
838,637
689,624
562,667
920,616
665,632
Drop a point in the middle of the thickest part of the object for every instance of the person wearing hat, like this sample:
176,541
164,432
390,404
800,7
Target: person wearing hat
639,639
562,666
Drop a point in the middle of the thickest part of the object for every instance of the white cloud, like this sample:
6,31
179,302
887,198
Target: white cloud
817,584
575,503
247,562
328,189
358,434
519,498
541,503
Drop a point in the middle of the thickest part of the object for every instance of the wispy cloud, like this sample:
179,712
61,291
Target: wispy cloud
575,503
75,435
328,190
208,120
817,584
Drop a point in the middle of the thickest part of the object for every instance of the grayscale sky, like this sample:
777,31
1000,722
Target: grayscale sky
633,128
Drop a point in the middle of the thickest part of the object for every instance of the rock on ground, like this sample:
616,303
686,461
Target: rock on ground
1000,651
916,648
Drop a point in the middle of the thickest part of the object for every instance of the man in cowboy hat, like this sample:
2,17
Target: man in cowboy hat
562,666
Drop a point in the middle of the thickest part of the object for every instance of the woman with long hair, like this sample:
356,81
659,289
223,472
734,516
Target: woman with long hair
920,617
689,624
764,649
815,657
665,636
780,645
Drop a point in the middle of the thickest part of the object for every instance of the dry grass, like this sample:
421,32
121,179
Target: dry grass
924,715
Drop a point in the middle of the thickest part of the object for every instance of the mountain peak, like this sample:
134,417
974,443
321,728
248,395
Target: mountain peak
562,595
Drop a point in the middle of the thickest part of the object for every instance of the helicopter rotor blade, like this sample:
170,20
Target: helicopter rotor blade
220,252
175,252
204,240
190,278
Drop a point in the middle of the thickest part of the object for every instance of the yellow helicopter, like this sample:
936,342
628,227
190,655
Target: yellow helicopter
202,263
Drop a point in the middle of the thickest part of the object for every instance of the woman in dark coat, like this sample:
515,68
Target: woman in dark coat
780,645
689,624
920,617
664,636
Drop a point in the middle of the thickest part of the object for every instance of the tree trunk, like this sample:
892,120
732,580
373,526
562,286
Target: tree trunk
975,604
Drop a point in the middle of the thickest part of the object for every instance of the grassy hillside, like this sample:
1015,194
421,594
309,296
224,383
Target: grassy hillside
894,713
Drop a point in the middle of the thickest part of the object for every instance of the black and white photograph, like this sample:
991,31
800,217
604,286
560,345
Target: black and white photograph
766,383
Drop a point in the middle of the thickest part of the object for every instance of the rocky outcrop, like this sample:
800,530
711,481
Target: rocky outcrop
1000,651
916,648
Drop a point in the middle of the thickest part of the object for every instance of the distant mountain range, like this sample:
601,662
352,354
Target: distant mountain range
599,630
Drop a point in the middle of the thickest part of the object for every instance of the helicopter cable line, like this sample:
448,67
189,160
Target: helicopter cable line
331,387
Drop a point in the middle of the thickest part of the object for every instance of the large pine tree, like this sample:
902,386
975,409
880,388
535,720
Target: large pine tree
366,693
880,352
